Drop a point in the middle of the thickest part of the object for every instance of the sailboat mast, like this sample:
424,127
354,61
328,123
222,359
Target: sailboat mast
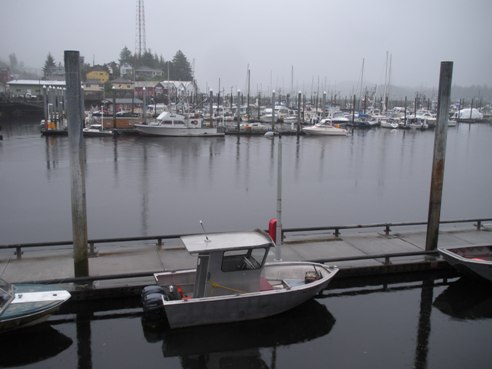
361,83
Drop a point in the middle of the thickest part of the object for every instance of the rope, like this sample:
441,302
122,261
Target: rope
218,285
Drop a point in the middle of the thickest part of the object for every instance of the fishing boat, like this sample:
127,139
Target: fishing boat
232,282
325,128
475,259
176,125
25,305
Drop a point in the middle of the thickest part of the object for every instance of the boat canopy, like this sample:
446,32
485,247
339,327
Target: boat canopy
226,241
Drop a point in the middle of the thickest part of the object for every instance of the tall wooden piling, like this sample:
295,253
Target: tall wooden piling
77,164
278,231
439,155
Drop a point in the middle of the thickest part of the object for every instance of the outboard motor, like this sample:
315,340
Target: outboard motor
151,298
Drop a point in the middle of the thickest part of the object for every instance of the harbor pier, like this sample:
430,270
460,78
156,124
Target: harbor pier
121,267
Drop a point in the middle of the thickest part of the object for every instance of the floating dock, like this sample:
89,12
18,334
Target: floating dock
121,267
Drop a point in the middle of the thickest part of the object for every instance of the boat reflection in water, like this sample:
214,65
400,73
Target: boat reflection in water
468,299
237,345
31,345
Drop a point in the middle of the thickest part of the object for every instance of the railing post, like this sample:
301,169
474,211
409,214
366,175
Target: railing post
387,229
18,252
337,232
159,242
92,250
479,225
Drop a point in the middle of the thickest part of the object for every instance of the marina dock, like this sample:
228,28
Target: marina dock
121,267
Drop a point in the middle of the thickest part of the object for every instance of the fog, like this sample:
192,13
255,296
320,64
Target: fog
286,44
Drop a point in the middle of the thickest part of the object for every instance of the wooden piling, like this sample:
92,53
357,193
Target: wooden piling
278,231
77,164
439,155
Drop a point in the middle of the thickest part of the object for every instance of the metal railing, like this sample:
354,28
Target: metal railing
478,223
387,229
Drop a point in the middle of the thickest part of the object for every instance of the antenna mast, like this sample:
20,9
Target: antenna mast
140,46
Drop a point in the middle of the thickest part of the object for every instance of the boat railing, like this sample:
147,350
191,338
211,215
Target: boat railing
305,232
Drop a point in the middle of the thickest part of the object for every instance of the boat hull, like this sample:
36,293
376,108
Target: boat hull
474,259
177,131
253,305
30,308
320,131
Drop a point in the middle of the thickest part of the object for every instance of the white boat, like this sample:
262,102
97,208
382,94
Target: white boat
339,118
388,123
96,130
325,128
429,118
416,123
170,124
468,115
452,123
477,259
26,305
232,282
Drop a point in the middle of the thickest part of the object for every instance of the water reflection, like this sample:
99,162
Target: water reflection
424,323
31,345
468,299
239,345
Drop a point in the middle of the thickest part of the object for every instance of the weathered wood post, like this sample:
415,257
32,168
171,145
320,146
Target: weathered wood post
439,155
77,164
278,231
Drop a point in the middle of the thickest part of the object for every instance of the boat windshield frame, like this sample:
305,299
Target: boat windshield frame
6,294
244,259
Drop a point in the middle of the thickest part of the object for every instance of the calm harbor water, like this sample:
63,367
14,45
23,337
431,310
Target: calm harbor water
148,186
145,186
424,323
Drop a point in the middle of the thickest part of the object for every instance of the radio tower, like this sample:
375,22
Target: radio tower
140,47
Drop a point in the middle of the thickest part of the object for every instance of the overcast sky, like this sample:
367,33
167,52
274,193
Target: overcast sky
320,40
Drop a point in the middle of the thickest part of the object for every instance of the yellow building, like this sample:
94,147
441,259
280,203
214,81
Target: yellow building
98,73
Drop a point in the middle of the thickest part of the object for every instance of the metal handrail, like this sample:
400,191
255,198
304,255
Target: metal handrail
159,238
92,279
387,226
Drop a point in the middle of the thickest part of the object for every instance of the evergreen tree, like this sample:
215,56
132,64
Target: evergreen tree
181,69
49,65
126,56
13,61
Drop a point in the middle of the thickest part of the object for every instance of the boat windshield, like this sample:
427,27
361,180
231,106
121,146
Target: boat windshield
243,259
5,293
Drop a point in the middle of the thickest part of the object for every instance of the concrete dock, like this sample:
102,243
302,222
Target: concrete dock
123,268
